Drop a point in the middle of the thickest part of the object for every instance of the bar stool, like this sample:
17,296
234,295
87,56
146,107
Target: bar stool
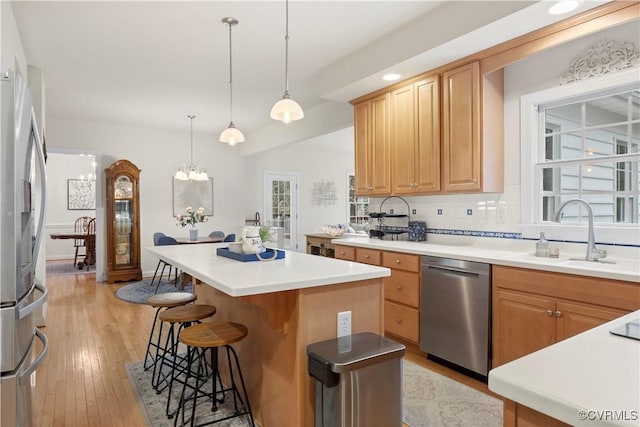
211,336
168,356
160,302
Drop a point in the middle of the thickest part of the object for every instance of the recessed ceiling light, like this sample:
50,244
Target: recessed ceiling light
391,77
563,6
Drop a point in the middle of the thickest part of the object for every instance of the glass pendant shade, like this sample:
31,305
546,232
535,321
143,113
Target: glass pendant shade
191,172
286,110
231,135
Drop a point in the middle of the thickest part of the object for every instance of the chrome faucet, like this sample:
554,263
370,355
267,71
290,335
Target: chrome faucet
593,253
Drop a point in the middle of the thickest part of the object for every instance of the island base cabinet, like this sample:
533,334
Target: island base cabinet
273,356
516,415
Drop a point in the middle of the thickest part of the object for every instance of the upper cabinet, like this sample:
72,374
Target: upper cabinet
415,138
371,123
413,155
472,137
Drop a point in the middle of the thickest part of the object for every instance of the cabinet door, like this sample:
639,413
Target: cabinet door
402,321
461,128
371,124
574,318
403,152
427,136
368,256
403,287
522,324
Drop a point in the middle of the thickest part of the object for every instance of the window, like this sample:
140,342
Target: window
358,207
581,141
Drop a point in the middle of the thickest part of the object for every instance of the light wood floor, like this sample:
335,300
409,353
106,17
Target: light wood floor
92,335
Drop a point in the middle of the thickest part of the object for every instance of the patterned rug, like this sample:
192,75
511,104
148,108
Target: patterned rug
429,400
138,292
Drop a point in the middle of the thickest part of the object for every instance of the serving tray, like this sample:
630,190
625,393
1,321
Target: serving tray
267,255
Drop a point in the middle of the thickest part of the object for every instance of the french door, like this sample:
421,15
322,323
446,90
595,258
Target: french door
281,205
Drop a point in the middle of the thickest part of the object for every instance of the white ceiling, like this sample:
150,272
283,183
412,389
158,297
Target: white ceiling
150,63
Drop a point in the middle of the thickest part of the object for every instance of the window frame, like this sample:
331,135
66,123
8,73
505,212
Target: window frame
532,150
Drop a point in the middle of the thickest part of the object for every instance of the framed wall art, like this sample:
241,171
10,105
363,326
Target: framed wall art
81,194
192,193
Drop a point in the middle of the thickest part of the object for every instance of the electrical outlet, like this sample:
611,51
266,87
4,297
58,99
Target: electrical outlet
391,211
344,323
413,211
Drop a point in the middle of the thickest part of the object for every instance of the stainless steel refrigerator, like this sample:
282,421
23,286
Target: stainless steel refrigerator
22,208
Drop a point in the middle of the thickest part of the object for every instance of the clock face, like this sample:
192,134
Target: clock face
123,188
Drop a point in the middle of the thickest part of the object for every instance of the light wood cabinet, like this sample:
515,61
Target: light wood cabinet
534,309
123,222
320,244
472,134
372,167
415,138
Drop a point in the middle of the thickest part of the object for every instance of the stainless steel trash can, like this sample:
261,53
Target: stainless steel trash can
358,381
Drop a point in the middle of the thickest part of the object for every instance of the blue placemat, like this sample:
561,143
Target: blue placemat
267,255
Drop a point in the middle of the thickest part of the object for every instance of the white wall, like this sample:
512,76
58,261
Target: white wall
325,158
158,153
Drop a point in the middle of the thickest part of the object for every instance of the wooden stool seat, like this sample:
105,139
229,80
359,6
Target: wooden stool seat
171,299
215,334
187,313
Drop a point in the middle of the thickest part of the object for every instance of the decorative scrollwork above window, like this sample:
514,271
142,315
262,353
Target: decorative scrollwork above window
606,56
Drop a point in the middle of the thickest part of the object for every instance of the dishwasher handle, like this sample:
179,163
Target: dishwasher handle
449,270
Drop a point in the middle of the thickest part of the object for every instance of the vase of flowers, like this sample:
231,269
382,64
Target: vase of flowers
192,218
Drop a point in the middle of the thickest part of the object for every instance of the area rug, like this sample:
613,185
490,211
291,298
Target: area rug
139,292
429,400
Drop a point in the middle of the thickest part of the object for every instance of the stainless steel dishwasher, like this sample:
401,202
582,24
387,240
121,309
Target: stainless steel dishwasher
455,312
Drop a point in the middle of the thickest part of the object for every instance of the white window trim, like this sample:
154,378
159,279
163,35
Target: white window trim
531,150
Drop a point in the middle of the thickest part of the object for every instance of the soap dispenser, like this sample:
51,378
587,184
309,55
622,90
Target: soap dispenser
542,246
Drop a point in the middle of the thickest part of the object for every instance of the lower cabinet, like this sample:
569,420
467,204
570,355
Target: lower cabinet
401,289
534,309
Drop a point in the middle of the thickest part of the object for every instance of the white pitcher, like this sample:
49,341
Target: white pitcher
251,241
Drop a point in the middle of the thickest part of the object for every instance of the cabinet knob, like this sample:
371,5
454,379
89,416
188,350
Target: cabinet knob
398,321
558,313
341,252
397,261
398,287
366,257
370,188
549,312
474,180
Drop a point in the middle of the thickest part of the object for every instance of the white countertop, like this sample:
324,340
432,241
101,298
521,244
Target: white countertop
236,278
513,254
594,371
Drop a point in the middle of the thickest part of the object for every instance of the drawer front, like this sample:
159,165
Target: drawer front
403,287
368,256
402,321
408,262
346,252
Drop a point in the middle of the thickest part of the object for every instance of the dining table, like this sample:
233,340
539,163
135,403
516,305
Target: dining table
90,246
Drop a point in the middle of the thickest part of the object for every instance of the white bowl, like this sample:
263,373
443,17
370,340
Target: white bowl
236,247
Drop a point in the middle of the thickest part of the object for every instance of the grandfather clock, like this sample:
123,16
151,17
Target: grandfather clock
123,222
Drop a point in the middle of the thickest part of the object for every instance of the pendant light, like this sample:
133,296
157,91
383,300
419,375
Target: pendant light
191,172
231,135
286,110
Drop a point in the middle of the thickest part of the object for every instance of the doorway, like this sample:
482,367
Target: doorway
281,205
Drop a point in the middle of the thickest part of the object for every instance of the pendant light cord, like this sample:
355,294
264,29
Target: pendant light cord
191,117
286,50
230,79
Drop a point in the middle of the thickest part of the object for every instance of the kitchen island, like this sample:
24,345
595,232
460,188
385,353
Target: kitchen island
591,379
286,304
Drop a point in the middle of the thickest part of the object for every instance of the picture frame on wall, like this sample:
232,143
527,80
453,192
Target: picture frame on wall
193,194
81,194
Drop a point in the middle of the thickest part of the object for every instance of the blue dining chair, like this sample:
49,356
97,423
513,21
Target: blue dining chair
163,240
230,238
217,234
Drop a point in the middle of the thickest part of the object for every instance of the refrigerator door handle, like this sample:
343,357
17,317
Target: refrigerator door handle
43,183
38,360
28,309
